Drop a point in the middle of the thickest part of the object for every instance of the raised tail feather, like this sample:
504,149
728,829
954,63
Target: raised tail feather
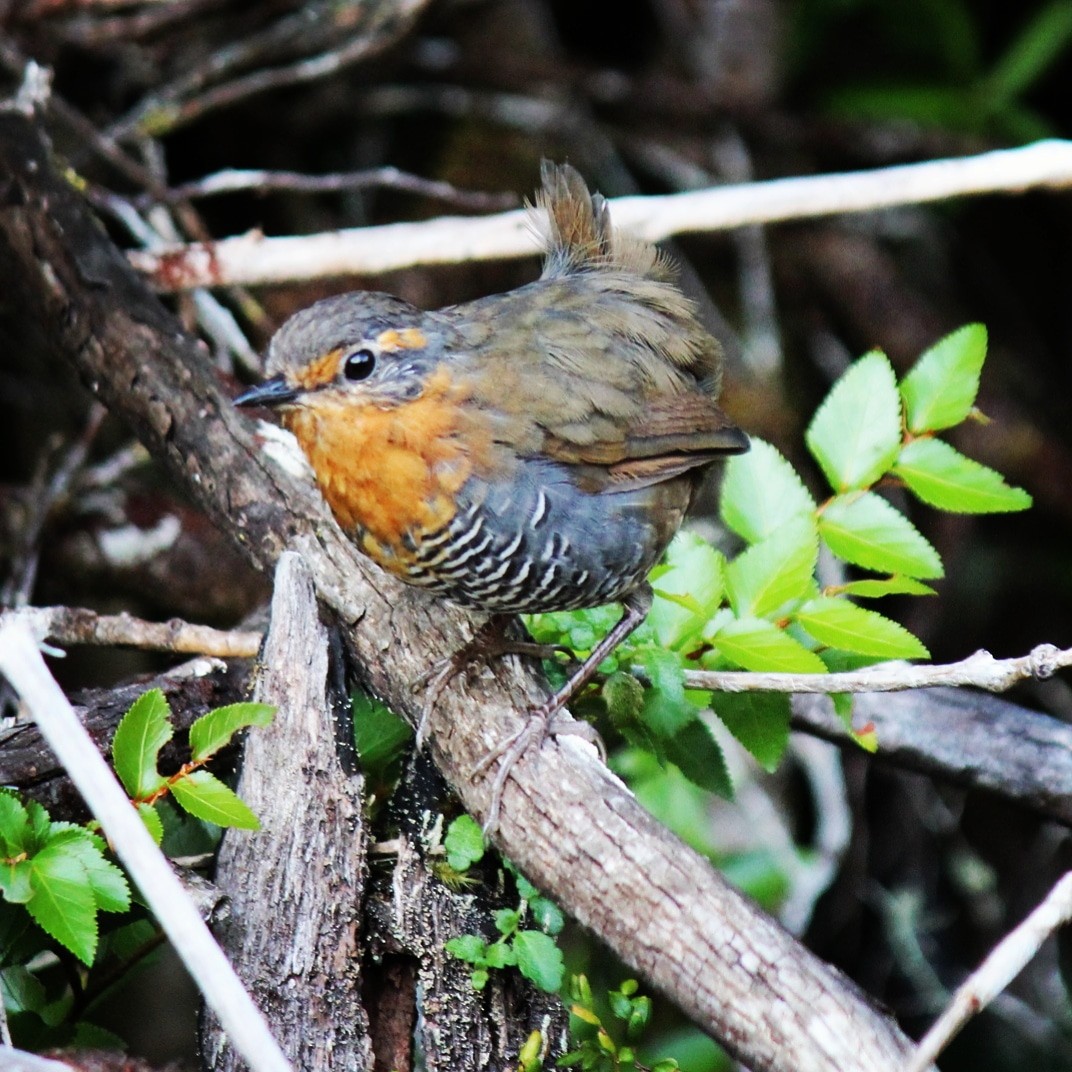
578,233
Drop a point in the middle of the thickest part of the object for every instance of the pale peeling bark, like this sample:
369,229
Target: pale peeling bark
296,886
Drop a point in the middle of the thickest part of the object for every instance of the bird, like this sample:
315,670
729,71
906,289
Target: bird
529,451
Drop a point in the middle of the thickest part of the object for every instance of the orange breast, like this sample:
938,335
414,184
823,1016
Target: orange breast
390,475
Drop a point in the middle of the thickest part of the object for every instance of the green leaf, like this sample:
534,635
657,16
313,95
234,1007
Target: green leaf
204,796
379,734
144,730
693,573
21,991
941,476
761,492
885,586
151,818
108,883
757,644
212,731
15,882
467,947
500,955
698,756
844,625
864,529
540,960
759,720
507,920
547,915
856,433
666,708
14,826
769,574
63,904
940,389
464,843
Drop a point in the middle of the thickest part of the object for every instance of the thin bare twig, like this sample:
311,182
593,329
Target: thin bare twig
980,670
175,104
77,625
253,258
22,665
233,180
1006,960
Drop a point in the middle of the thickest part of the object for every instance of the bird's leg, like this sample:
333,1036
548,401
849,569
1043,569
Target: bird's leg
489,642
542,721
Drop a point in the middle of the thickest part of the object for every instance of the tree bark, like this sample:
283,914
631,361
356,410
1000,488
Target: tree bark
296,885
571,825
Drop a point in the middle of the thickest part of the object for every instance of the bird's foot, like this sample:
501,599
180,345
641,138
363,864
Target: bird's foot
545,721
489,642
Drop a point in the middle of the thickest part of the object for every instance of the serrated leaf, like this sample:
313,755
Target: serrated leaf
941,476
547,915
14,826
150,817
464,843
21,991
499,955
40,826
379,734
885,586
761,492
15,884
757,644
507,920
688,591
939,391
108,883
844,625
759,720
780,568
864,529
214,730
666,708
540,960
144,730
204,796
63,904
467,947
698,756
856,432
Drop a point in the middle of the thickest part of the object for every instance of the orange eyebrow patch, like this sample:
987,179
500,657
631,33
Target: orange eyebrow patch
319,371
406,339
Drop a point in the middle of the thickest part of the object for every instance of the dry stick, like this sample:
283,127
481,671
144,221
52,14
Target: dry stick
77,625
566,821
980,670
1005,962
253,258
22,665
259,180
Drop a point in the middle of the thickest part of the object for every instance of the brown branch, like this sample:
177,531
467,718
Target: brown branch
570,824
78,625
970,738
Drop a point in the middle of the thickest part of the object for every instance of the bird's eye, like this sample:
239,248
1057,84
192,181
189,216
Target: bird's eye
359,365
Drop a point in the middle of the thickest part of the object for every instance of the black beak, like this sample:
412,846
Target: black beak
273,392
